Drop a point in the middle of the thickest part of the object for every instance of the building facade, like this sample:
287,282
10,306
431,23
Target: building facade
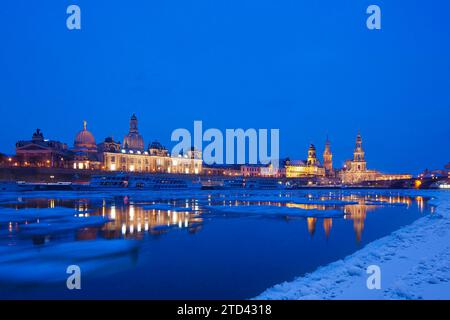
40,152
328,159
109,155
131,156
248,170
222,170
84,154
133,141
355,171
305,168
189,163
271,171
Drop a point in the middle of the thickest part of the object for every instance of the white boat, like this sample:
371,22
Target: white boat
261,184
18,186
45,186
162,183
106,182
236,183
147,182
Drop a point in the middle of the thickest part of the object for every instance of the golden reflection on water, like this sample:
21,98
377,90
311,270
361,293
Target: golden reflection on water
327,225
311,222
134,221
130,220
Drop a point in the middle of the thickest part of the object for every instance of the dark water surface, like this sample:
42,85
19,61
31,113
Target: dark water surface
191,251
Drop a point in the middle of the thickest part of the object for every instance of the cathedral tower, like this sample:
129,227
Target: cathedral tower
359,161
312,157
328,158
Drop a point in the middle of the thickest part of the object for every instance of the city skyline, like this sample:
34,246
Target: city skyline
235,150
310,73
148,142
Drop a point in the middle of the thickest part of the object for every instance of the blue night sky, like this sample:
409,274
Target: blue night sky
309,68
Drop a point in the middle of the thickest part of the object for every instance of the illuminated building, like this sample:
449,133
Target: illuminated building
131,161
222,170
308,168
109,145
131,156
154,159
271,171
133,141
157,149
189,163
355,171
249,170
85,152
328,158
392,177
40,152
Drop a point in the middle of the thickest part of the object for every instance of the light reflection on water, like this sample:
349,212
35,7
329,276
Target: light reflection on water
133,218
130,220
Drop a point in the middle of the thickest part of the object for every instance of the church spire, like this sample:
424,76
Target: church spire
358,155
328,157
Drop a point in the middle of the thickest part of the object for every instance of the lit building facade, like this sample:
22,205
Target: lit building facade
189,163
328,159
271,171
355,171
134,162
250,170
392,177
145,162
222,170
85,152
40,152
308,168
133,140
131,156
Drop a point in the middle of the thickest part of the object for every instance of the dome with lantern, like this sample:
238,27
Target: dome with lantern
133,140
84,140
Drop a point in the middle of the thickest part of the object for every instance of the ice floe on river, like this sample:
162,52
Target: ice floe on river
51,227
12,215
48,263
278,210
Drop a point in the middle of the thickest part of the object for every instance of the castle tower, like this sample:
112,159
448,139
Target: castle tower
328,158
359,161
312,157
133,140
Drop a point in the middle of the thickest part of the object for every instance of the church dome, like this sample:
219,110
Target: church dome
133,140
85,140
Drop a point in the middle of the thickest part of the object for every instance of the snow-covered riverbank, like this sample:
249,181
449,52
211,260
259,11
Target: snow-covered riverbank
414,263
